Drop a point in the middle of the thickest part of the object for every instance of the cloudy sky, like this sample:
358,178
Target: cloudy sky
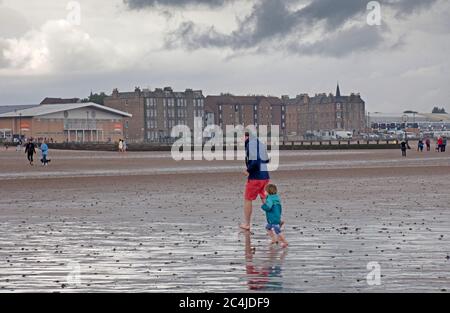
270,47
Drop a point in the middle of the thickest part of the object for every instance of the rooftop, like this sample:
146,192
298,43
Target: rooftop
39,110
418,117
12,108
59,100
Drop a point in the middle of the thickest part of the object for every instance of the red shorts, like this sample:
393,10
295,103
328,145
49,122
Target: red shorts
253,188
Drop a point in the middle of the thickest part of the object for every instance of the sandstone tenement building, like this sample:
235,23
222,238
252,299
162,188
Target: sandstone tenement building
156,112
323,112
226,110
296,117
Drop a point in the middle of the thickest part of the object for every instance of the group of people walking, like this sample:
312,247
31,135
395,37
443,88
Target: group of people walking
441,145
30,151
122,145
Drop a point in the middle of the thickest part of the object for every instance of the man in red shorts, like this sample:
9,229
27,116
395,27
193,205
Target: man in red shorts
257,173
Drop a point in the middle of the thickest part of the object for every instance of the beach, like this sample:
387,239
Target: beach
142,222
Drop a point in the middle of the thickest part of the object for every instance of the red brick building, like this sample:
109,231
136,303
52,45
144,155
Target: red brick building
71,122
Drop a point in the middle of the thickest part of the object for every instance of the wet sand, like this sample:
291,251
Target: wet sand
143,222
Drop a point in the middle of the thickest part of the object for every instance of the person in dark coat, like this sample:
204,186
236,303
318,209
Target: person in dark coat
30,151
404,147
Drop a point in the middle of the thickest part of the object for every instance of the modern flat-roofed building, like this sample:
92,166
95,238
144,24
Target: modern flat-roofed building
379,121
156,112
67,122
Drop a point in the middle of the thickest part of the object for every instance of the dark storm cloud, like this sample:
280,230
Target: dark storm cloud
141,4
269,20
407,7
273,22
341,43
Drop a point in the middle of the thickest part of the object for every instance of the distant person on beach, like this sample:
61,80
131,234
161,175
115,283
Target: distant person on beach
444,144
44,151
439,144
120,145
124,146
30,150
420,146
428,143
273,209
256,160
19,145
404,147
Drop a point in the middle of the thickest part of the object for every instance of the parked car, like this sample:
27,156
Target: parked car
344,135
388,137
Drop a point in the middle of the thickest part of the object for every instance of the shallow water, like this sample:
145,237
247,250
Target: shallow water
190,257
148,232
187,167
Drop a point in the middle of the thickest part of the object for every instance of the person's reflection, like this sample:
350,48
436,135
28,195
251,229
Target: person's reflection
268,276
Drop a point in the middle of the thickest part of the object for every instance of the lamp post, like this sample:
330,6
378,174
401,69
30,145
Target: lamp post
20,125
87,123
405,120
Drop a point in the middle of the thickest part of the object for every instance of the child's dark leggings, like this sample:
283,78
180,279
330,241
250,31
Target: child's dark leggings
30,157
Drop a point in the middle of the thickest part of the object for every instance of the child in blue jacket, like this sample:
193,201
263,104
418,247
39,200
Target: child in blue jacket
272,207
44,151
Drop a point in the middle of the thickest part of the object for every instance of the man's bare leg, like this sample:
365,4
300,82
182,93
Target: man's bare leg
248,208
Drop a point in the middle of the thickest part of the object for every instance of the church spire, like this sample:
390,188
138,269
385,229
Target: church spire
338,91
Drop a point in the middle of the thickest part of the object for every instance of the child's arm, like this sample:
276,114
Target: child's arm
268,205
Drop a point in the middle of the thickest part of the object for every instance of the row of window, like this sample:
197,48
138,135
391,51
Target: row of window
151,113
152,135
155,135
171,113
255,107
152,124
339,115
172,102
198,103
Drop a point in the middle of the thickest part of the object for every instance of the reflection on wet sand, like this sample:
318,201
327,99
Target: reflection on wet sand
264,268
